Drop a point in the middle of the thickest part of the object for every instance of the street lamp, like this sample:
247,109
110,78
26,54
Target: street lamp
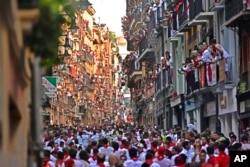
67,44
73,26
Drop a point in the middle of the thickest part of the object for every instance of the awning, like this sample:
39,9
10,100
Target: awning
195,22
172,39
205,16
184,27
147,54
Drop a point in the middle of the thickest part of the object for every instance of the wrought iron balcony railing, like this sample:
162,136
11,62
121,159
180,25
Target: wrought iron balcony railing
143,45
135,66
183,13
195,8
232,7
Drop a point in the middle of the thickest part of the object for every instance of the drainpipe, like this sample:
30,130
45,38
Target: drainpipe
36,149
164,93
218,123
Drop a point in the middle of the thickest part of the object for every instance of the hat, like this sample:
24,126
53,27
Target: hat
232,136
162,150
140,145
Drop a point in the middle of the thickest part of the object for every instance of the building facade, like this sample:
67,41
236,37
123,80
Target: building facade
16,21
237,21
178,31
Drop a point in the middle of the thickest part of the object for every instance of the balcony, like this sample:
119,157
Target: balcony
198,15
235,15
146,52
216,5
135,68
152,35
183,13
197,81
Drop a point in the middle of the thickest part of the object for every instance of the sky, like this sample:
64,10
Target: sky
110,13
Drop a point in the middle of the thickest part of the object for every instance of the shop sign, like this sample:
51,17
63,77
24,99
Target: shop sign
50,85
190,105
175,101
210,109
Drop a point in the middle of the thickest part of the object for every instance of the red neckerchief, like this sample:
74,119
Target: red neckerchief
94,157
66,155
154,149
59,162
160,157
46,164
134,158
100,164
171,144
149,161
105,145
122,146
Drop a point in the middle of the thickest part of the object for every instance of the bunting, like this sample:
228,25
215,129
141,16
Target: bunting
187,9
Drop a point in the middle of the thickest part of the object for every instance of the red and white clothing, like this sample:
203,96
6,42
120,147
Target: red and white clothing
106,150
133,163
163,162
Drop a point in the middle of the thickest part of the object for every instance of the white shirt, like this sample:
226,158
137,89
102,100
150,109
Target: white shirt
78,163
132,163
142,156
173,159
190,127
189,154
163,163
206,56
107,151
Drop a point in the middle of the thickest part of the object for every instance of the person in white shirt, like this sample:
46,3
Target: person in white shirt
106,149
133,161
72,154
161,158
204,141
189,153
46,160
191,125
233,139
223,54
244,142
60,160
175,152
84,156
141,152
149,160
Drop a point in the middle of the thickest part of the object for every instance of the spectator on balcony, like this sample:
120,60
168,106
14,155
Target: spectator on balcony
187,69
208,60
246,4
222,54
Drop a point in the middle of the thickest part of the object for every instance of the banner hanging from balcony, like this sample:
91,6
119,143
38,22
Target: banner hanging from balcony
50,85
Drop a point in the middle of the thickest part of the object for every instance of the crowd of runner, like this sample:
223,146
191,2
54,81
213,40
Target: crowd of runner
129,146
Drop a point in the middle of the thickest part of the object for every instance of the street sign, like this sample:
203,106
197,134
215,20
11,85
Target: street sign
50,85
